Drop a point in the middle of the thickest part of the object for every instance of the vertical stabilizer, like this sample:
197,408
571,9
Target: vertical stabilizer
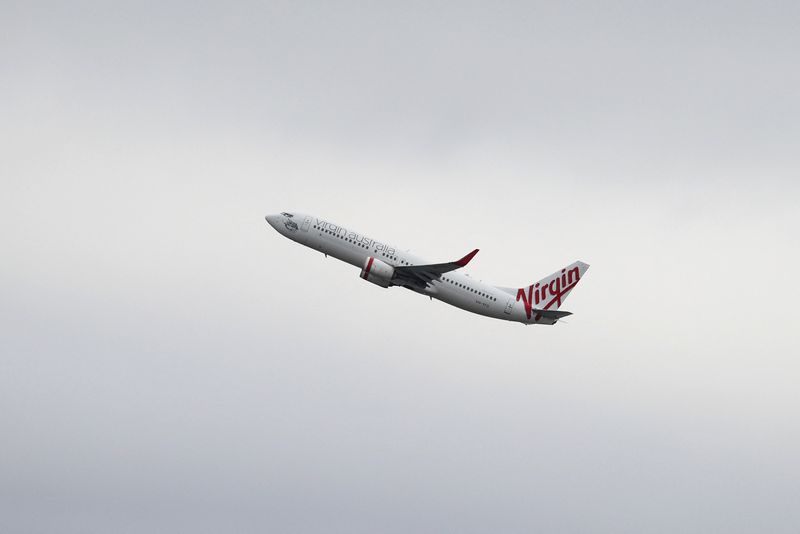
550,292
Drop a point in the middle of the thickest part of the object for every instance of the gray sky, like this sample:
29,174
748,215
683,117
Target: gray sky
169,363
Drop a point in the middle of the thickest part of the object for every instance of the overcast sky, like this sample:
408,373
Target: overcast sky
169,363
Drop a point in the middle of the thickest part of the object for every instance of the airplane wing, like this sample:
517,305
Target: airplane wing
422,275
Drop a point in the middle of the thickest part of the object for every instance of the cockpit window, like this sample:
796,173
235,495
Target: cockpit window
287,214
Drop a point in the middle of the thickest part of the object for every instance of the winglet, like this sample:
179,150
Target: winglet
465,260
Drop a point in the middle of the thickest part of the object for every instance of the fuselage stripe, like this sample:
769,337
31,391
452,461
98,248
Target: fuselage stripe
367,269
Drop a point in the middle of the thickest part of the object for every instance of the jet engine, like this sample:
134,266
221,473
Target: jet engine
378,272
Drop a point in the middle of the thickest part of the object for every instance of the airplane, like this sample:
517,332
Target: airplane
386,265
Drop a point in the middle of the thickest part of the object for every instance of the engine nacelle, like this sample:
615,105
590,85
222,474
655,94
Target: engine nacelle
378,272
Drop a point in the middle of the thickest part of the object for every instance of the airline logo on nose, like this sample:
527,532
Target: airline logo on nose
548,291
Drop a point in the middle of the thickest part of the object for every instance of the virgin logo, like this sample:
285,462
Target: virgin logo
548,291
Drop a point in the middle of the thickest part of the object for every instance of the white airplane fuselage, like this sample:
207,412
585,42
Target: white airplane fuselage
453,287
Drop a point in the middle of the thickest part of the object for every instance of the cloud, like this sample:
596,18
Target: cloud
171,363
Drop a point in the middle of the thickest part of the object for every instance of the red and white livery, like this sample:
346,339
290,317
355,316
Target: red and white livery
385,265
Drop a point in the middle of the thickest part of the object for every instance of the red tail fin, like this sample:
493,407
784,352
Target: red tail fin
550,292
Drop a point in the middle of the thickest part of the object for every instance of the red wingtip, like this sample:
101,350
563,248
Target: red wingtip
465,260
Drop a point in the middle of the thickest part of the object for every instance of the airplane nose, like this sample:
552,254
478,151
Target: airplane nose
272,220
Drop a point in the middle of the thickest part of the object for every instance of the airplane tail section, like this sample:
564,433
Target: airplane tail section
543,298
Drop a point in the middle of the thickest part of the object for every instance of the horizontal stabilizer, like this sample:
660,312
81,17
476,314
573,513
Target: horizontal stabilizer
550,314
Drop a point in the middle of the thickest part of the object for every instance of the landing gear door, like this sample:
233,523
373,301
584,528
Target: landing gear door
306,223
509,306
